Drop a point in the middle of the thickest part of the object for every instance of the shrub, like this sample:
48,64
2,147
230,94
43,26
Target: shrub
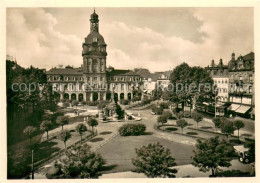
66,104
162,119
176,110
102,104
146,101
192,133
159,111
167,114
172,129
180,115
132,129
124,102
164,105
93,103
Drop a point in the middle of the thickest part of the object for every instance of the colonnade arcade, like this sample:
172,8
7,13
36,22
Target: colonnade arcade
94,96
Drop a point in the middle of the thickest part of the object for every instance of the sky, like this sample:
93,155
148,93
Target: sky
155,38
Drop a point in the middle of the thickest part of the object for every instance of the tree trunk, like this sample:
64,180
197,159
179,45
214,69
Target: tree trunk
213,172
61,127
30,142
182,131
81,139
92,129
65,144
238,133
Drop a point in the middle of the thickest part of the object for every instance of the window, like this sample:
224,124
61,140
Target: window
250,89
240,78
122,87
101,78
94,39
95,78
250,78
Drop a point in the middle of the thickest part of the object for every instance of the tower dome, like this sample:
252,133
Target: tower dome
94,16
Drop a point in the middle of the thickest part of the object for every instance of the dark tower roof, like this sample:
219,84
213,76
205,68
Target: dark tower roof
94,17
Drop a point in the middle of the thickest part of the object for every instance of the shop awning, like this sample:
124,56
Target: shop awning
243,109
234,107
253,111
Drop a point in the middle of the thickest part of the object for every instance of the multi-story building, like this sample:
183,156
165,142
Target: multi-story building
241,78
93,81
219,74
235,84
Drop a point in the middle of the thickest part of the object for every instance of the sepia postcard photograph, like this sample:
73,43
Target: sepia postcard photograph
144,92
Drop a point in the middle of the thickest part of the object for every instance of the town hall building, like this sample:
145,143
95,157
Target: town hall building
94,81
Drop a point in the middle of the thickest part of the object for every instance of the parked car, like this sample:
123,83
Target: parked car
243,154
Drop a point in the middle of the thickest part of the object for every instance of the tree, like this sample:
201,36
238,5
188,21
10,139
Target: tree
187,84
210,154
180,115
119,111
92,122
81,162
162,119
46,126
64,136
182,123
239,124
154,161
197,117
227,128
81,128
29,131
62,120
217,122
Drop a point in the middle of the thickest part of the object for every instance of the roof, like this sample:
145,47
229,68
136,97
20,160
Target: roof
89,38
66,71
249,56
120,72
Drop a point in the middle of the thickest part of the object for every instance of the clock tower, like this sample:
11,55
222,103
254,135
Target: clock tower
94,61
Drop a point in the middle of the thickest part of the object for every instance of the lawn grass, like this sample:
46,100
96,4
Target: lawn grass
120,151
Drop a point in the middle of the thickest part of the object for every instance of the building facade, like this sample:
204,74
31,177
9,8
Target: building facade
93,81
219,74
241,77
235,84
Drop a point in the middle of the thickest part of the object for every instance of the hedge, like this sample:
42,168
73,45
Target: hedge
132,129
